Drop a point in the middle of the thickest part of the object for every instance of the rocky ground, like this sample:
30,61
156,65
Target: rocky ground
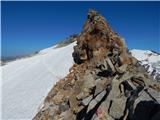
67,41
105,83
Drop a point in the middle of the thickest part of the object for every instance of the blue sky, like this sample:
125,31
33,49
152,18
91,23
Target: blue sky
32,26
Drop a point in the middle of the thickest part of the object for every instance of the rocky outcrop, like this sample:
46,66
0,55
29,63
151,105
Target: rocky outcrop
105,83
67,41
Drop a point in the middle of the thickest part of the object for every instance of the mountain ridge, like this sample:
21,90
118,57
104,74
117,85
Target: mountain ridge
105,83
15,111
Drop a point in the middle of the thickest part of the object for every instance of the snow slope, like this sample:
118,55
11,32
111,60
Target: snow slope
26,82
150,60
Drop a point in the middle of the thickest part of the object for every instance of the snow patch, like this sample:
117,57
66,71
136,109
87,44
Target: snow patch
150,60
26,82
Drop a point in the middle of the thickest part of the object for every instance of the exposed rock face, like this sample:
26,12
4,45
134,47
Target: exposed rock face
106,83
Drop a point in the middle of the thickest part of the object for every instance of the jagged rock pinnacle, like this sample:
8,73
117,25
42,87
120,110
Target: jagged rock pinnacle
105,83
97,40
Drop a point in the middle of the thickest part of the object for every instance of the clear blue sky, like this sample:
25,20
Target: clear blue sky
31,26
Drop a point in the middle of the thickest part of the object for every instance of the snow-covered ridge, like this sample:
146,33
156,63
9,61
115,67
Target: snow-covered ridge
26,81
150,60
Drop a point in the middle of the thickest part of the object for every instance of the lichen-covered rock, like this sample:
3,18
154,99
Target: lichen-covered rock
105,83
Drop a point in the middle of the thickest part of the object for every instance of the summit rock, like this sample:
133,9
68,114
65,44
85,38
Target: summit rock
105,83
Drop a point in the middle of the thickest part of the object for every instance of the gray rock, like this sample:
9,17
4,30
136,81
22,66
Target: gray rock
126,76
115,92
154,94
89,80
117,107
99,87
102,65
109,62
100,96
115,51
143,96
67,115
82,95
87,100
157,77
138,80
123,67
63,107
92,104
120,60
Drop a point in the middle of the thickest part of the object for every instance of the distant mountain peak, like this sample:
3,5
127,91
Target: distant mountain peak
150,60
